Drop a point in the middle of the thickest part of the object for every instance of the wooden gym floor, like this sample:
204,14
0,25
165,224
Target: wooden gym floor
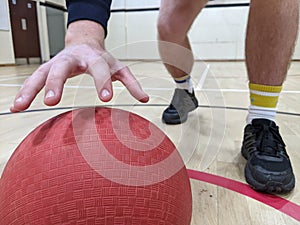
209,141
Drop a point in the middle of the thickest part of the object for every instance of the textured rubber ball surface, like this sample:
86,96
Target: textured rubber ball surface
95,166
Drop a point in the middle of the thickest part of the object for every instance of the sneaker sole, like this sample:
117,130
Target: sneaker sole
273,186
174,121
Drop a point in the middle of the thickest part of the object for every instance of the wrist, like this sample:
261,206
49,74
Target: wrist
85,32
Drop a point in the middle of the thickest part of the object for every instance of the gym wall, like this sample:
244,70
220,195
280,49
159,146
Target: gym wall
217,34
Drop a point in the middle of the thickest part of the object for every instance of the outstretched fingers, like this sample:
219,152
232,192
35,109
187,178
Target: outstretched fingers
52,75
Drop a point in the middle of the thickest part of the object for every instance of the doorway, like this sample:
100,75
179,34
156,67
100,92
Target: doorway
24,24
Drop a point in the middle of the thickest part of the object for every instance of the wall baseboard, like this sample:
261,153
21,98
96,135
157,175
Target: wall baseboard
10,64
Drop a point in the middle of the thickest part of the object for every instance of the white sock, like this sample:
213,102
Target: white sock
256,112
184,83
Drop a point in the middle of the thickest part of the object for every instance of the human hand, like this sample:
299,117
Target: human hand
80,56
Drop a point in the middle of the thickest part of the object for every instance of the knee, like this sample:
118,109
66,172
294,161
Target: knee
168,30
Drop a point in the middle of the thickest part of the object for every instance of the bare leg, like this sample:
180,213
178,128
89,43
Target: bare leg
175,20
271,34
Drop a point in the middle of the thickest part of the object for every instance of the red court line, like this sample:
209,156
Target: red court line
285,206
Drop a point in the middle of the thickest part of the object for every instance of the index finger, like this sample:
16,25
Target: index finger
31,87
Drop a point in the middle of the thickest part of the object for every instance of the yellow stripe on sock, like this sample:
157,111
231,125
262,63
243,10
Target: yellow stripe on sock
264,101
182,78
264,95
265,88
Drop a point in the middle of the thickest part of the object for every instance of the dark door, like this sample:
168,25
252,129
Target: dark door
24,24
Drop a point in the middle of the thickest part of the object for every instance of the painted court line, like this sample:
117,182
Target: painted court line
156,89
14,78
203,77
285,206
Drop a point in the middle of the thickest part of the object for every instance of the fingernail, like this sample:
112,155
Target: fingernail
104,93
20,99
50,94
145,99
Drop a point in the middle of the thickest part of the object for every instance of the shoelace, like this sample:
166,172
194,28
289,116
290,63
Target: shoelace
269,140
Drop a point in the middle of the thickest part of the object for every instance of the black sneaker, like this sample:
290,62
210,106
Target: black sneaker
182,103
268,168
